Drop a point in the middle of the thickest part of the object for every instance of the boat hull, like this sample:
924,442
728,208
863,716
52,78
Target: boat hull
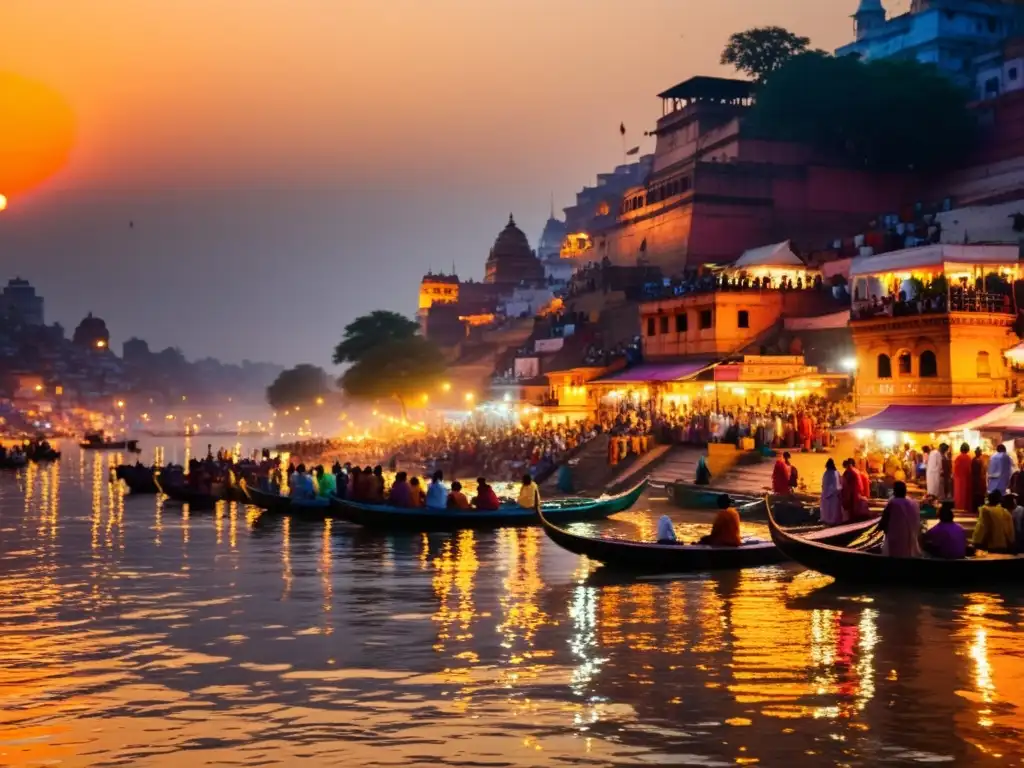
871,568
644,557
380,516
139,480
269,502
185,495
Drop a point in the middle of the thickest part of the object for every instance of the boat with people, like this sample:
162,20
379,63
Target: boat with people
97,441
564,510
868,565
654,557
267,500
41,451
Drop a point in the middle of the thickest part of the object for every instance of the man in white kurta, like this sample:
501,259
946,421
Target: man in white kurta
933,474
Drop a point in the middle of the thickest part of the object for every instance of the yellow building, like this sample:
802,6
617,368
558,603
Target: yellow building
931,325
436,289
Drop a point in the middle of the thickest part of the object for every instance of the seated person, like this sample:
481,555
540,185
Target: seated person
456,498
486,499
529,494
401,493
947,539
418,497
725,530
666,531
437,494
901,522
994,531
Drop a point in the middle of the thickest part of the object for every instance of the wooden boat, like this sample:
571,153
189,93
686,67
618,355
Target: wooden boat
98,443
40,456
750,506
268,501
181,493
868,566
421,519
138,479
12,462
650,557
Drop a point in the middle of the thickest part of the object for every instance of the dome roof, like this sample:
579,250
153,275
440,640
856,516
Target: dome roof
511,260
554,232
511,242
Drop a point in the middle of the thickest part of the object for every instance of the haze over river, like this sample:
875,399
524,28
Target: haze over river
137,634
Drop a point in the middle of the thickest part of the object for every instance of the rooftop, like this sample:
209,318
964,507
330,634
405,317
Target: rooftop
704,88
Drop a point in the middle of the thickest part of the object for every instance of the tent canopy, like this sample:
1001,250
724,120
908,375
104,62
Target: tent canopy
658,373
932,418
938,257
777,255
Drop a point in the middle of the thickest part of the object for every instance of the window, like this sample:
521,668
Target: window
927,365
904,361
663,324
650,326
1011,73
982,366
681,323
884,367
743,319
705,319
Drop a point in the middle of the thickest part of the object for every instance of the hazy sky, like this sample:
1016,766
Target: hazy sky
290,164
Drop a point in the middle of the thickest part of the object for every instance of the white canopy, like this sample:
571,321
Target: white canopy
942,257
777,255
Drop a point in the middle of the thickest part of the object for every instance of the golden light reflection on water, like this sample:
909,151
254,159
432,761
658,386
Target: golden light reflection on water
122,646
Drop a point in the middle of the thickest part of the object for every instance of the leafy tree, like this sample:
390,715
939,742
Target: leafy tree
761,51
300,385
889,115
401,368
369,332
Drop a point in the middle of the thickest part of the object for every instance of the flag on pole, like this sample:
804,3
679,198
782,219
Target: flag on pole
633,151
622,128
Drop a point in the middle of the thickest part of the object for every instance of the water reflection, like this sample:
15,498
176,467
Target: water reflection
136,630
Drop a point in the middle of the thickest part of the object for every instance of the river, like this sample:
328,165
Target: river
135,634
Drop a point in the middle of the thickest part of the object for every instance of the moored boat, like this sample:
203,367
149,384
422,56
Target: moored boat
182,494
268,501
138,479
423,519
651,557
869,566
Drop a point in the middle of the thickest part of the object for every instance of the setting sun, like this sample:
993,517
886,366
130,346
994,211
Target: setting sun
3,203
36,133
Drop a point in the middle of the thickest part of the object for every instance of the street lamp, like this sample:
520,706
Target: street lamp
469,397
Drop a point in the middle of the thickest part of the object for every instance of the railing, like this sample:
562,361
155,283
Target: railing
938,388
955,301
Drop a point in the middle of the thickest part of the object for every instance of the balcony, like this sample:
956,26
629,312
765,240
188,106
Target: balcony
956,301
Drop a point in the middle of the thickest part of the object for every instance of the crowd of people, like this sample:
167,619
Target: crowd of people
781,423
369,485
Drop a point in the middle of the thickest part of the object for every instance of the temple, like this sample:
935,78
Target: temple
511,262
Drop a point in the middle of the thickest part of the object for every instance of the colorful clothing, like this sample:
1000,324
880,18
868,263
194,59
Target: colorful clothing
831,498
994,531
946,540
963,490
901,521
725,531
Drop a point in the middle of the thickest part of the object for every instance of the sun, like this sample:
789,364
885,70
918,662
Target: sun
36,134
3,202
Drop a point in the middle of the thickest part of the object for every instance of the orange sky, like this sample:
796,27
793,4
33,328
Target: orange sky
464,109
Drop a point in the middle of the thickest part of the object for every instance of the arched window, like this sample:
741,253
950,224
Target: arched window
982,366
904,363
884,367
928,367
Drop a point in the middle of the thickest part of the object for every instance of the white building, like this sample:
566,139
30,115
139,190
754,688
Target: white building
948,33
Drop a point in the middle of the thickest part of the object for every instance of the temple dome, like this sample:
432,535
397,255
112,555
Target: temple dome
92,332
511,261
551,238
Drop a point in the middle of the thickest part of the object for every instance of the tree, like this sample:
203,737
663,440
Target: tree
888,115
401,368
300,385
369,332
761,51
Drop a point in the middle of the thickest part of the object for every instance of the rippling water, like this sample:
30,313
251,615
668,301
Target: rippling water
137,634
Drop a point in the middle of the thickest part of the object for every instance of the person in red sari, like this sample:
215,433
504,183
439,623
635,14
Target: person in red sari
963,488
780,477
853,499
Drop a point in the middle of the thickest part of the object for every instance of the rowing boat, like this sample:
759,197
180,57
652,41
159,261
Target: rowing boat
869,566
422,519
274,503
138,479
650,557
182,494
